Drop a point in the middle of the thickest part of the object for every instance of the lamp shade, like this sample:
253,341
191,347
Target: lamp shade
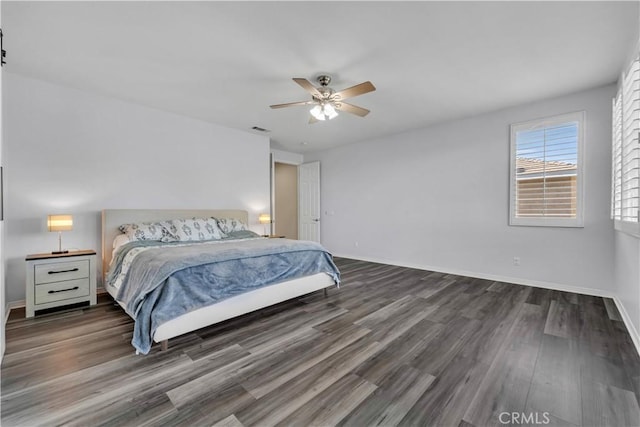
330,112
317,112
60,222
264,218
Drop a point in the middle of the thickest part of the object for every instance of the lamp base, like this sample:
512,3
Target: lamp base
59,252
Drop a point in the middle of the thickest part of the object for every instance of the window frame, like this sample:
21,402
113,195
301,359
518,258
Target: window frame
631,228
578,221
628,227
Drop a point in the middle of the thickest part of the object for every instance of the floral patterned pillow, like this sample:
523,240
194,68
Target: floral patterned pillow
148,231
228,225
195,229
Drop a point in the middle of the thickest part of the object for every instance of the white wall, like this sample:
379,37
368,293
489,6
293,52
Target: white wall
437,198
627,278
68,151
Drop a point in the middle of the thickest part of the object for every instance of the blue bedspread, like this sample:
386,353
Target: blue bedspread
164,281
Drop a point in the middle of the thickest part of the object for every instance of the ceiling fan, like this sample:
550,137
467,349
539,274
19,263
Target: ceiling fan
326,100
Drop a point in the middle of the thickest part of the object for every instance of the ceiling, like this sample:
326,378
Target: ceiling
226,62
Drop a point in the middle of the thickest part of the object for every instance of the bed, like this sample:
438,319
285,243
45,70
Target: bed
277,290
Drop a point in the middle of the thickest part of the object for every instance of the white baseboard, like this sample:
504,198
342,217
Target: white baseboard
635,337
518,281
493,277
16,304
7,310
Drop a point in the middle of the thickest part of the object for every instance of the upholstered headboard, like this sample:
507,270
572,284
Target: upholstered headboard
112,219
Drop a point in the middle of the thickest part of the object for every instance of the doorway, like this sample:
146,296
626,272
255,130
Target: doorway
285,209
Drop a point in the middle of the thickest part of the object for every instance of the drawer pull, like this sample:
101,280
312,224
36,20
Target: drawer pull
75,288
64,271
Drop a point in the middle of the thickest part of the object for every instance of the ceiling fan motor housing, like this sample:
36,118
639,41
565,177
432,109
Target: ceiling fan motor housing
324,80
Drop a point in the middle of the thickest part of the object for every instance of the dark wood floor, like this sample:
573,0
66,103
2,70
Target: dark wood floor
393,346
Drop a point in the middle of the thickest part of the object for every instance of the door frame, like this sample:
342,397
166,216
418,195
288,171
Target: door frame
277,156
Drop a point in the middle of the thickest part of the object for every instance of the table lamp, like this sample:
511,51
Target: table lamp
264,219
60,223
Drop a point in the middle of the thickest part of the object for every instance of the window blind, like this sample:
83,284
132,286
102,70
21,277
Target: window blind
546,171
625,182
616,155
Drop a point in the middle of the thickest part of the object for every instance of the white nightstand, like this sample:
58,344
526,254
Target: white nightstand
54,280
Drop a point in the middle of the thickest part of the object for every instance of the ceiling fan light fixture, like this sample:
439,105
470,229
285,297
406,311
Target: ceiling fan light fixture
324,111
330,112
317,112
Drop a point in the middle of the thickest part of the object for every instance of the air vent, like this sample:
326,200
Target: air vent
259,129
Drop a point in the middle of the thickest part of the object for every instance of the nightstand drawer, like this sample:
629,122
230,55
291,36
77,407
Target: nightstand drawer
62,290
61,271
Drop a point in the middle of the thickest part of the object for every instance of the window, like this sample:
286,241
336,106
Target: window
625,179
546,172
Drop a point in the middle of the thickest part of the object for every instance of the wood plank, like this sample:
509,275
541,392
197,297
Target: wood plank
186,393
630,359
612,310
562,320
230,421
333,404
401,351
597,332
605,371
437,356
260,382
606,405
144,409
432,285
447,400
399,390
399,321
63,404
499,287
282,402
555,385
506,385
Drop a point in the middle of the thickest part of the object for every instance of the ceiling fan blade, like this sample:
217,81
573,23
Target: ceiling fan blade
356,90
313,120
350,108
291,104
306,85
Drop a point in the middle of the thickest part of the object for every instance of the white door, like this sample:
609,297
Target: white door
309,201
